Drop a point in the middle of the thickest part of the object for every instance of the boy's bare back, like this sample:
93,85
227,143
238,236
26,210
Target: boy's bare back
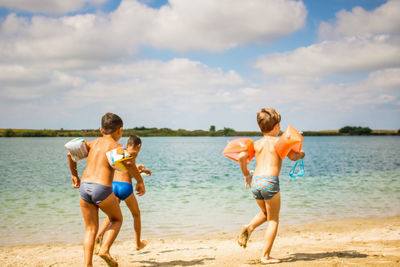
98,170
268,162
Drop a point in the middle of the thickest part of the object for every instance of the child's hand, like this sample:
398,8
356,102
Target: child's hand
148,172
248,179
76,182
295,156
140,167
140,189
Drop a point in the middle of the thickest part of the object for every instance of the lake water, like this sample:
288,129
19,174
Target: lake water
194,189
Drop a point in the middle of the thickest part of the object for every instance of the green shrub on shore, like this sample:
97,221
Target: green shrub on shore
351,130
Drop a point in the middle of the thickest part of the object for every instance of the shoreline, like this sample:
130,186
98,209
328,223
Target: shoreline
361,242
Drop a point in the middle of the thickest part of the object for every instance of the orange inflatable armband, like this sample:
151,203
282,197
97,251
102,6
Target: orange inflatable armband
236,146
291,139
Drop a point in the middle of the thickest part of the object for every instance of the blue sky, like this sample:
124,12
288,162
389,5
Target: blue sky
195,63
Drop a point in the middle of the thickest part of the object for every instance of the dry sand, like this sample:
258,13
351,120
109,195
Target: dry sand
361,242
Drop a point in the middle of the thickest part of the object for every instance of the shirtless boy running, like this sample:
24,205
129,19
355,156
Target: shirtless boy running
264,183
95,189
123,190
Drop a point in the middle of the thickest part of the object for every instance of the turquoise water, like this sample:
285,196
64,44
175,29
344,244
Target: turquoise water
194,189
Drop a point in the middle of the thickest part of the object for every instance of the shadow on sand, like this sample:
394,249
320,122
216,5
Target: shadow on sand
176,263
317,256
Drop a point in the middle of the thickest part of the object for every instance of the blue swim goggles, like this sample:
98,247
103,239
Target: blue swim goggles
300,173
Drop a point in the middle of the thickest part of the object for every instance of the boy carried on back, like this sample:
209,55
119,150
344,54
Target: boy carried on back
95,188
264,183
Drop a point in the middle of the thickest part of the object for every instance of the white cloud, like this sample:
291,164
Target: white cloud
184,94
63,42
176,93
347,55
175,83
179,84
384,19
357,41
49,6
23,83
389,79
219,25
322,81
379,87
315,104
84,40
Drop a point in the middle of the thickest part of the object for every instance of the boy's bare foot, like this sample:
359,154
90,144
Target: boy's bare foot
143,243
97,245
243,237
109,260
269,261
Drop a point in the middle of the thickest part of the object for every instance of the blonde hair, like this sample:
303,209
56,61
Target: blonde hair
267,118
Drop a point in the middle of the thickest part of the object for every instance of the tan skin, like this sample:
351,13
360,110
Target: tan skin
130,201
99,171
268,163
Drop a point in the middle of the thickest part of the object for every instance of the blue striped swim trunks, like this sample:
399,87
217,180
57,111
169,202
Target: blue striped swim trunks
264,187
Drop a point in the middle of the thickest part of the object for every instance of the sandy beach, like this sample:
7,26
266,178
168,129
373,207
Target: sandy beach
359,242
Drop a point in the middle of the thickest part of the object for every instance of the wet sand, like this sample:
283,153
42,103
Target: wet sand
359,242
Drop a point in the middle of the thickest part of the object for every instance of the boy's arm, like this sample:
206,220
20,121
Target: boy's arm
74,172
295,156
243,156
134,173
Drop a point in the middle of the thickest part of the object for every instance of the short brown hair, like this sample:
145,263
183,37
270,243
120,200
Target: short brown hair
133,140
111,122
267,118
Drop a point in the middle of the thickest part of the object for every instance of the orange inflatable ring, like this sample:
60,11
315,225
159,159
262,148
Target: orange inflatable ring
291,139
237,146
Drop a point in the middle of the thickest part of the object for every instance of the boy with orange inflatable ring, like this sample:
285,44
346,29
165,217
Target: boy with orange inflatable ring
264,183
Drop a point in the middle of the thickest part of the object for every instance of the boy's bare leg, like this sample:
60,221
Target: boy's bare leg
259,219
273,207
133,206
103,228
110,206
99,238
90,213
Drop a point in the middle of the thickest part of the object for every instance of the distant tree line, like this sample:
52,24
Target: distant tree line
148,132
140,131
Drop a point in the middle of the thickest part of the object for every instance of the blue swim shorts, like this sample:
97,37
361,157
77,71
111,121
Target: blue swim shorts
264,187
122,190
